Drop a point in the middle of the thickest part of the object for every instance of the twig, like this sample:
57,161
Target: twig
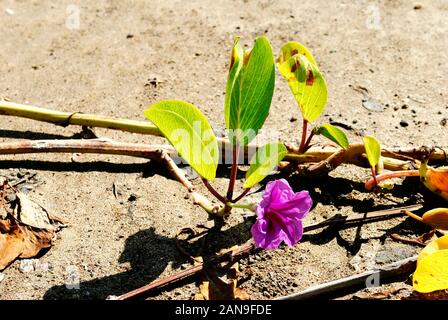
249,246
239,252
330,288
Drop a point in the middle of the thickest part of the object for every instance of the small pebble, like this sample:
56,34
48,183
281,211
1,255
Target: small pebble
2,276
27,265
443,122
417,7
404,123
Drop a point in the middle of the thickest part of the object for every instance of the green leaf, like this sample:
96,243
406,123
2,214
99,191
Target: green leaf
189,132
297,66
249,90
263,162
373,150
334,134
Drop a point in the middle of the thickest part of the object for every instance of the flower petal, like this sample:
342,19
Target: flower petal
292,232
266,234
296,207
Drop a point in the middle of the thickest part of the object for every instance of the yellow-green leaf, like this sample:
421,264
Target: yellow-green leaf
298,67
373,150
189,132
263,162
334,134
432,267
292,48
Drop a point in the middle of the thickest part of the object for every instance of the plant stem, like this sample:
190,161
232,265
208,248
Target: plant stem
241,196
372,182
375,181
308,141
304,133
412,215
213,191
248,206
233,171
77,118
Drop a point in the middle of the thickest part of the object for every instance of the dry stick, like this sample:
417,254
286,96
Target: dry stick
106,146
157,153
246,248
390,270
352,155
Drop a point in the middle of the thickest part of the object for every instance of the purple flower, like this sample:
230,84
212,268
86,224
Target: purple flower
280,215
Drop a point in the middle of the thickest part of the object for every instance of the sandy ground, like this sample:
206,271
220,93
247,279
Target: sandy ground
395,49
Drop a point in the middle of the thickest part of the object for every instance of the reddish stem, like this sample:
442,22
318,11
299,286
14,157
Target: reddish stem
375,180
213,191
304,132
241,196
233,172
308,141
372,182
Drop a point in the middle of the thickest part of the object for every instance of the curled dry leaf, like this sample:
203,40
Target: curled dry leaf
25,227
435,179
221,283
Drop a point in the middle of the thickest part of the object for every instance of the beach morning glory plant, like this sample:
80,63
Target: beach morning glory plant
249,91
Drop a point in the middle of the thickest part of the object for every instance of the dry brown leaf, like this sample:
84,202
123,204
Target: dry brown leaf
221,284
11,244
25,227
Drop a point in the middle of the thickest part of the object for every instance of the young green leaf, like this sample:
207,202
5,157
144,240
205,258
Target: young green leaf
373,150
307,84
249,90
334,134
189,132
263,162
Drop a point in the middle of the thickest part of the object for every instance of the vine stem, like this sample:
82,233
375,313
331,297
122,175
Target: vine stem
213,191
308,141
372,182
233,175
304,134
314,154
249,206
241,196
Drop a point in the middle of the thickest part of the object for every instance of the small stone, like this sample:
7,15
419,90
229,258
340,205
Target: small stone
27,265
2,276
130,36
293,119
9,11
405,106
417,7
443,122
404,123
